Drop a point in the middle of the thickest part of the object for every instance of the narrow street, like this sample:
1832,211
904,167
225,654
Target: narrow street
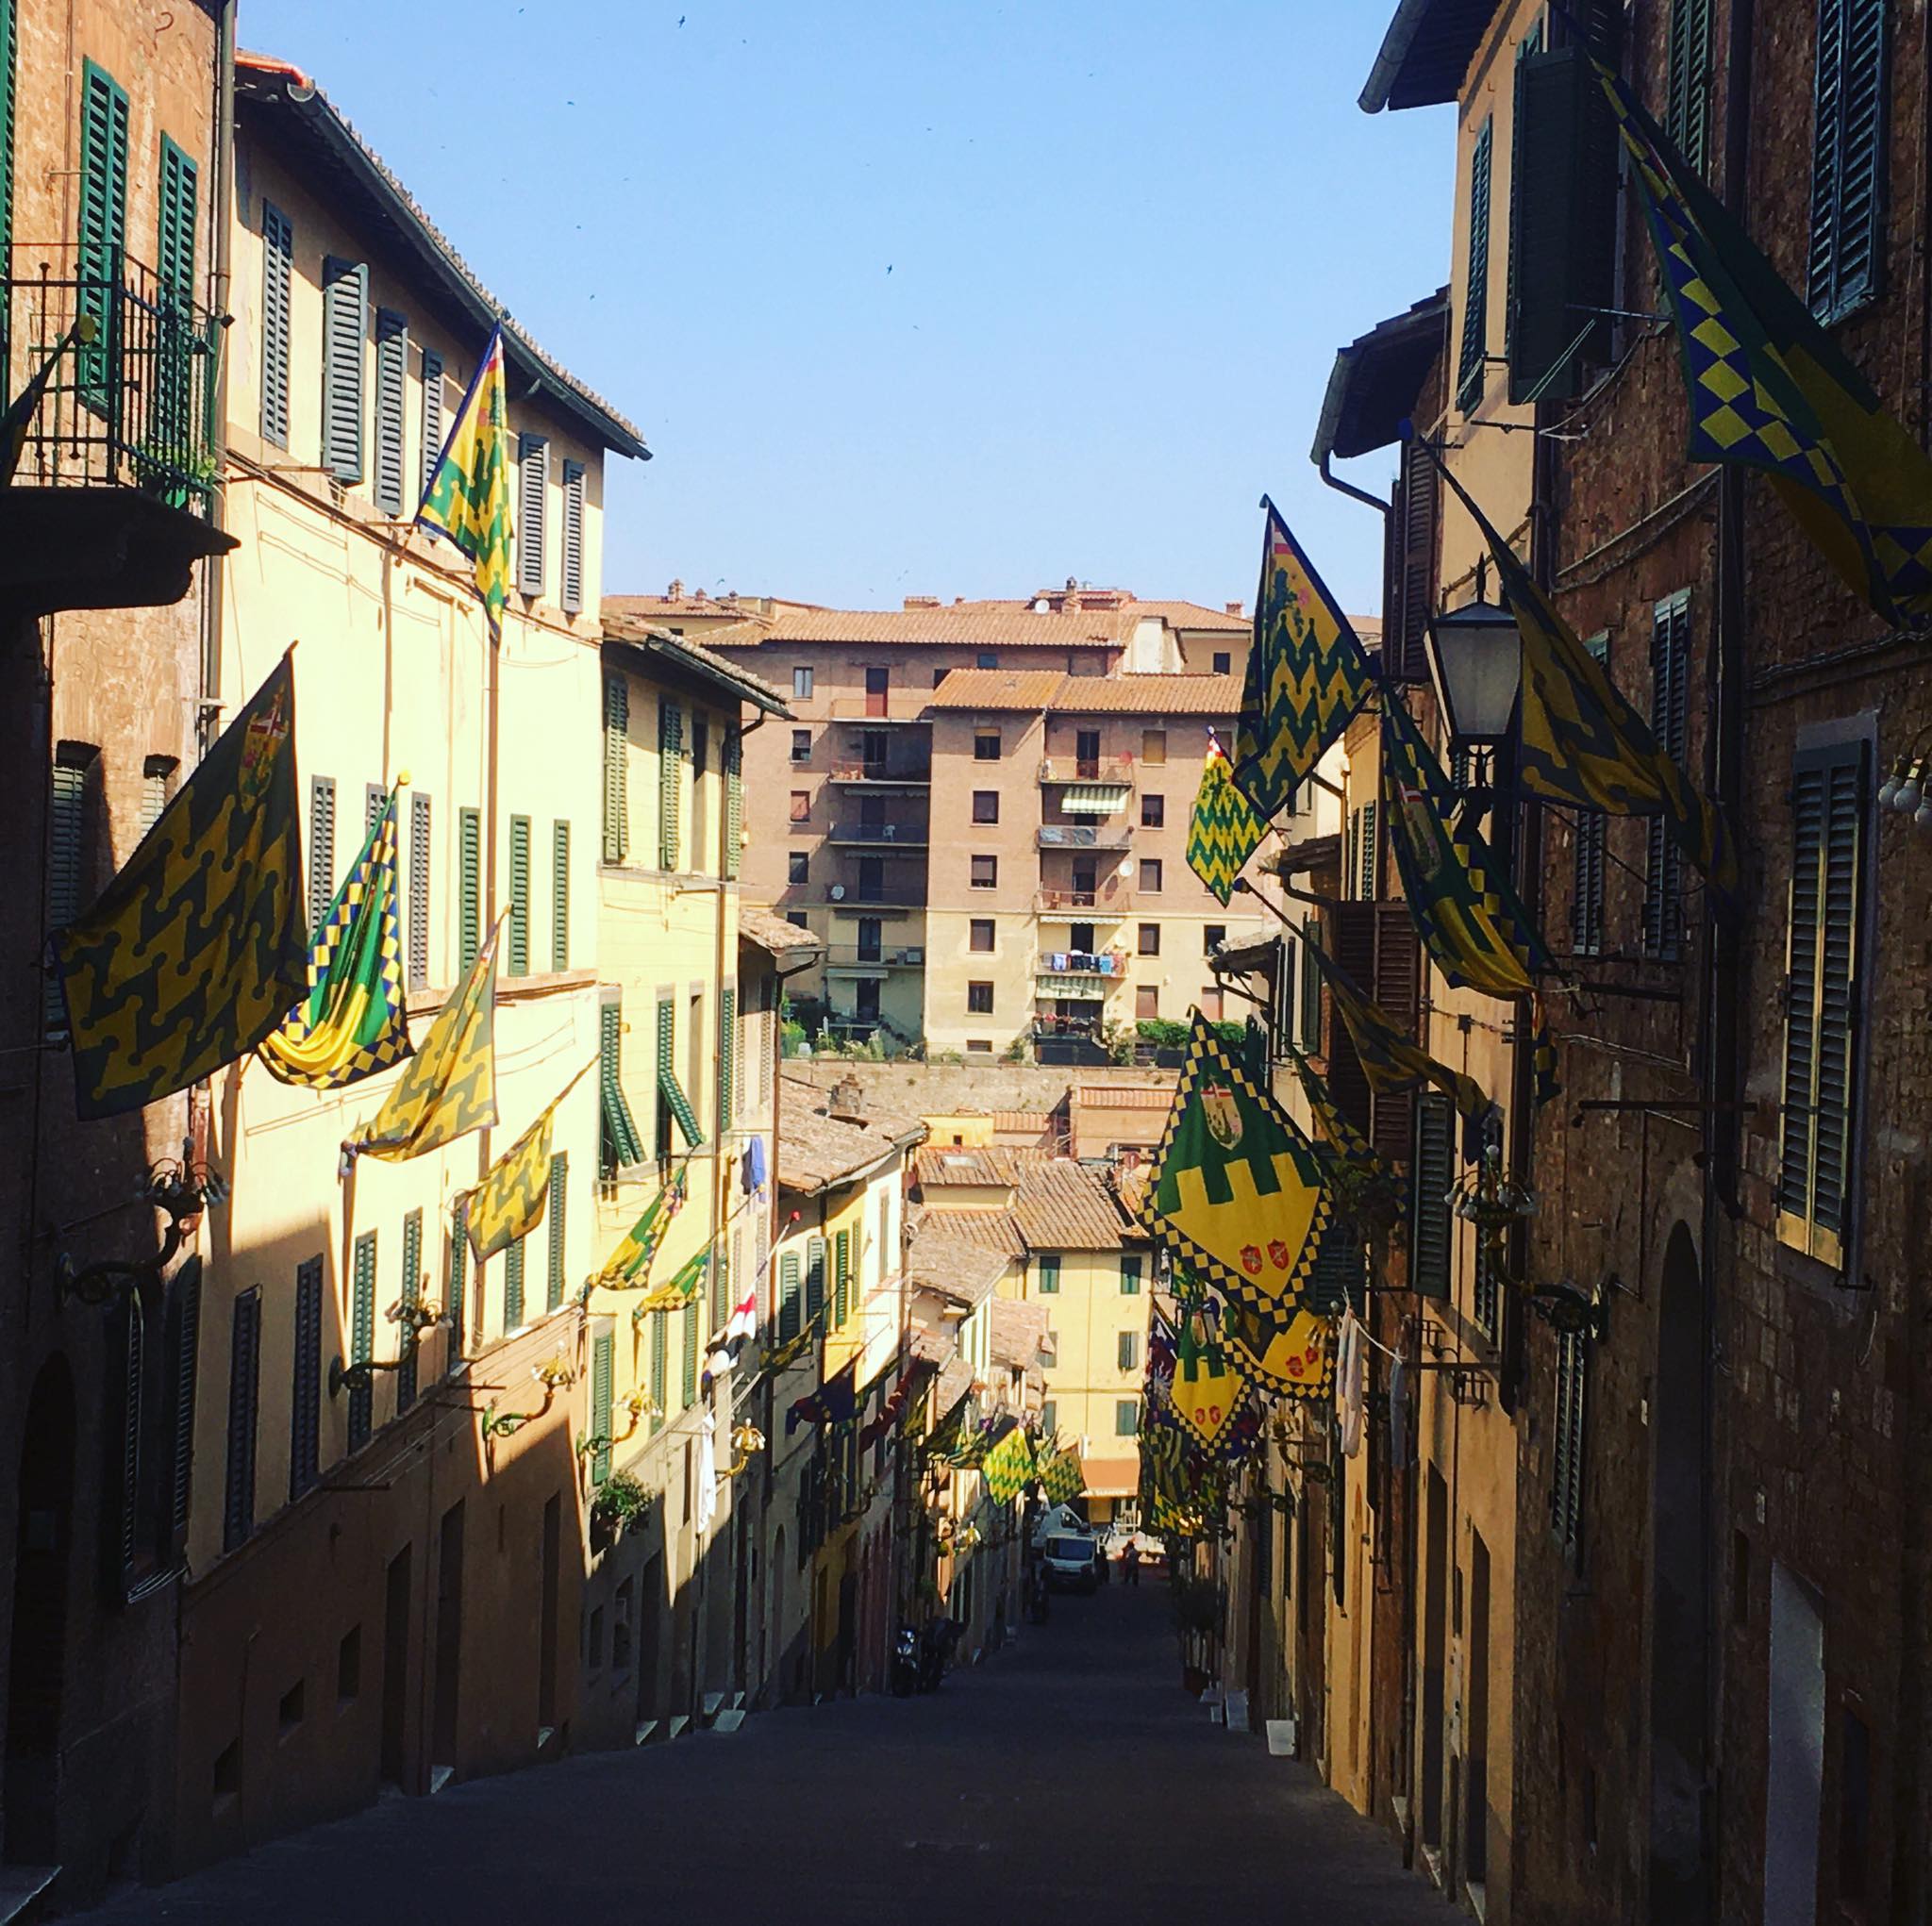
1070,1779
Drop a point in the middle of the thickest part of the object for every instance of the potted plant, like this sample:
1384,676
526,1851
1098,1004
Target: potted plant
621,1504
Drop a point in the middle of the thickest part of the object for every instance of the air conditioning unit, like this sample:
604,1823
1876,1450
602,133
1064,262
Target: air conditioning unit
915,956
837,892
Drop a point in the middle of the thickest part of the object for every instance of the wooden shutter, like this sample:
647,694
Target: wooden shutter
669,782
616,763
1687,81
1353,936
277,282
621,1144
558,1212
533,477
10,71
362,1337
734,801
814,1279
456,1279
419,890
321,848
1520,186
1591,845
572,596
103,234
169,409
244,1372
433,429
661,1370
788,1323
178,209
688,1361
1566,1481
411,1295
513,1286
602,1376
519,896
1312,991
1368,871
727,1056
1430,1225
304,1382
1815,1175
184,1358
469,885
1476,300
1663,874
1412,531
560,896
374,800
1846,257
841,1279
344,328
69,846
1398,969
391,390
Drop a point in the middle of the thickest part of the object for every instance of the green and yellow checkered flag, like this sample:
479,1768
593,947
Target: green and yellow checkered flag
1353,1149
510,1201
1063,1478
1236,1192
196,950
1460,897
1009,1465
1770,390
448,1087
683,1284
1294,1360
1224,830
1308,674
1208,1393
354,1021
467,498
628,1266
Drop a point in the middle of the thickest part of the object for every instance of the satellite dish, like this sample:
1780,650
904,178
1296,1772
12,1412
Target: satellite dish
837,892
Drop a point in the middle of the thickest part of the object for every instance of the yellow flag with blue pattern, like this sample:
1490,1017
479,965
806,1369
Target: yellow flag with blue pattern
467,498
1224,830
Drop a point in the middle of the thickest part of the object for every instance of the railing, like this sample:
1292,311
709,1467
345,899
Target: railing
851,896
1051,1029
132,408
908,835
1087,769
893,770
894,707
1084,836
1111,964
1083,905
902,956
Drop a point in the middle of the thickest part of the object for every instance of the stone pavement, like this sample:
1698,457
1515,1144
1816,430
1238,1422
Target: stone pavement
1068,1779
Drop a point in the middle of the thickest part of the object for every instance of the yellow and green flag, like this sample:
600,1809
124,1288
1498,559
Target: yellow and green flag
1209,1394
1308,674
449,1087
628,1266
196,951
1224,830
683,1284
1463,903
1009,1465
1061,1478
1295,1359
1235,1193
1770,390
510,1201
467,498
354,1020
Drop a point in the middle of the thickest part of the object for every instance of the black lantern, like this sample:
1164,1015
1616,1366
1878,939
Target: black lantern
1475,661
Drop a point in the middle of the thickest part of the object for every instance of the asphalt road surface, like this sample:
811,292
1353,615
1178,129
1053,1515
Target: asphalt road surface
1068,1779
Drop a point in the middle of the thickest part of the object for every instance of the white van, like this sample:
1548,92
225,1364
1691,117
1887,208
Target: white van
1071,1561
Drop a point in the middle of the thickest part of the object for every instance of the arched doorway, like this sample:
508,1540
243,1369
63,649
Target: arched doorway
36,1657
1678,1624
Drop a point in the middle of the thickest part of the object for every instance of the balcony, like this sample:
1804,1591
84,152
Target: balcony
908,836
1084,905
1088,769
1085,836
879,711
891,772
880,957
108,505
855,897
1106,966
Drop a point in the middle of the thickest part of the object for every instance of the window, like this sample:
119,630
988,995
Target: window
1214,1003
361,1335
1361,857
986,873
391,390
305,1380
1126,1416
841,1279
1049,1274
1153,812
1223,662
560,896
419,889
1588,853
1049,1412
939,675
322,847
1486,1296
1146,1000
800,745
1212,936
986,748
1050,1349
432,416
1150,875
798,866
788,1284
103,214
1150,939
670,783
986,660
797,918
470,885
801,806
1566,1472
1476,299
70,853
455,1280
349,1667
1128,1352
801,680
1846,265
1130,1273
1154,746
734,801
519,896
1686,85
278,281
1814,1187
660,1368
687,1363
345,329
616,769
979,1046
244,1368
979,935
1663,869
986,806
571,596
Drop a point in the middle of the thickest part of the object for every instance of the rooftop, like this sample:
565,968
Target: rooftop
1018,1334
1052,1204
697,658
1089,695
1376,380
952,1267
1066,1206
1425,53
771,932
816,1151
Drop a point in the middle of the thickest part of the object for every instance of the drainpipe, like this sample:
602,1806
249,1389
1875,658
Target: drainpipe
1334,481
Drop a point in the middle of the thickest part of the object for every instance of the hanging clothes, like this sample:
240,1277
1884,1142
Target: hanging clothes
1351,1373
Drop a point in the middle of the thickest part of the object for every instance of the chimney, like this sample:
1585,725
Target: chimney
922,602
675,591
1235,607
845,1100
697,594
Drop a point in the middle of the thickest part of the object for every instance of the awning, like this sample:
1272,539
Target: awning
1094,798
1078,989
858,972
1111,1477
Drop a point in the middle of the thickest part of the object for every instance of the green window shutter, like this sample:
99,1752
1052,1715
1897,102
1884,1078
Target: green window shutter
687,1363
391,390
433,430
1476,304
673,1104
470,885
841,1279
1566,1479
621,1143
1670,664
419,889
321,848
1049,1274
244,1383
179,198
1845,260
1528,48
559,1197
533,490
362,1337
1687,81
277,286
1828,806
103,234
1592,845
1127,1354
1130,1274
571,596
412,1294
513,1286
455,1280
10,68
171,425
1126,1416
616,769
560,896
68,844
602,1376
814,1279
304,1382
1430,1225
720,1285
734,801
519,896
788,1321
1312,991
345,329
184,1363
670,783
660,1372
727,1056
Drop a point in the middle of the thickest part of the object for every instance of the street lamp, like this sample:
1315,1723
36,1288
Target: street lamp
1475,662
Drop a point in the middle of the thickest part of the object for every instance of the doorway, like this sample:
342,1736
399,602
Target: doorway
449,1637
1435,1651
877,681
650,1640
1794,1777
36,1660
395,1670
1476,1738
1086,753
552,1579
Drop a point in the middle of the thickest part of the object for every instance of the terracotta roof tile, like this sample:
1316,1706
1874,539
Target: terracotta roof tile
1018,1333
998,689
1124,1097
771,932
937,1166
701,656
962,627
1066,1206
1149,695
986,1230
954,1266
815,1150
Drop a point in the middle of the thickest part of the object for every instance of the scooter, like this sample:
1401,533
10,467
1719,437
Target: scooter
941,1637
906,1663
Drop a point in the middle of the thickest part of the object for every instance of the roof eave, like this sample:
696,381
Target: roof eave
1375,383
661,647
1416,68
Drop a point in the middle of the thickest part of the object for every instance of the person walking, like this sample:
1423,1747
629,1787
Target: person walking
1130,1563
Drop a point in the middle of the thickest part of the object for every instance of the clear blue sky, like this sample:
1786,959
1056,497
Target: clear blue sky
951,299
